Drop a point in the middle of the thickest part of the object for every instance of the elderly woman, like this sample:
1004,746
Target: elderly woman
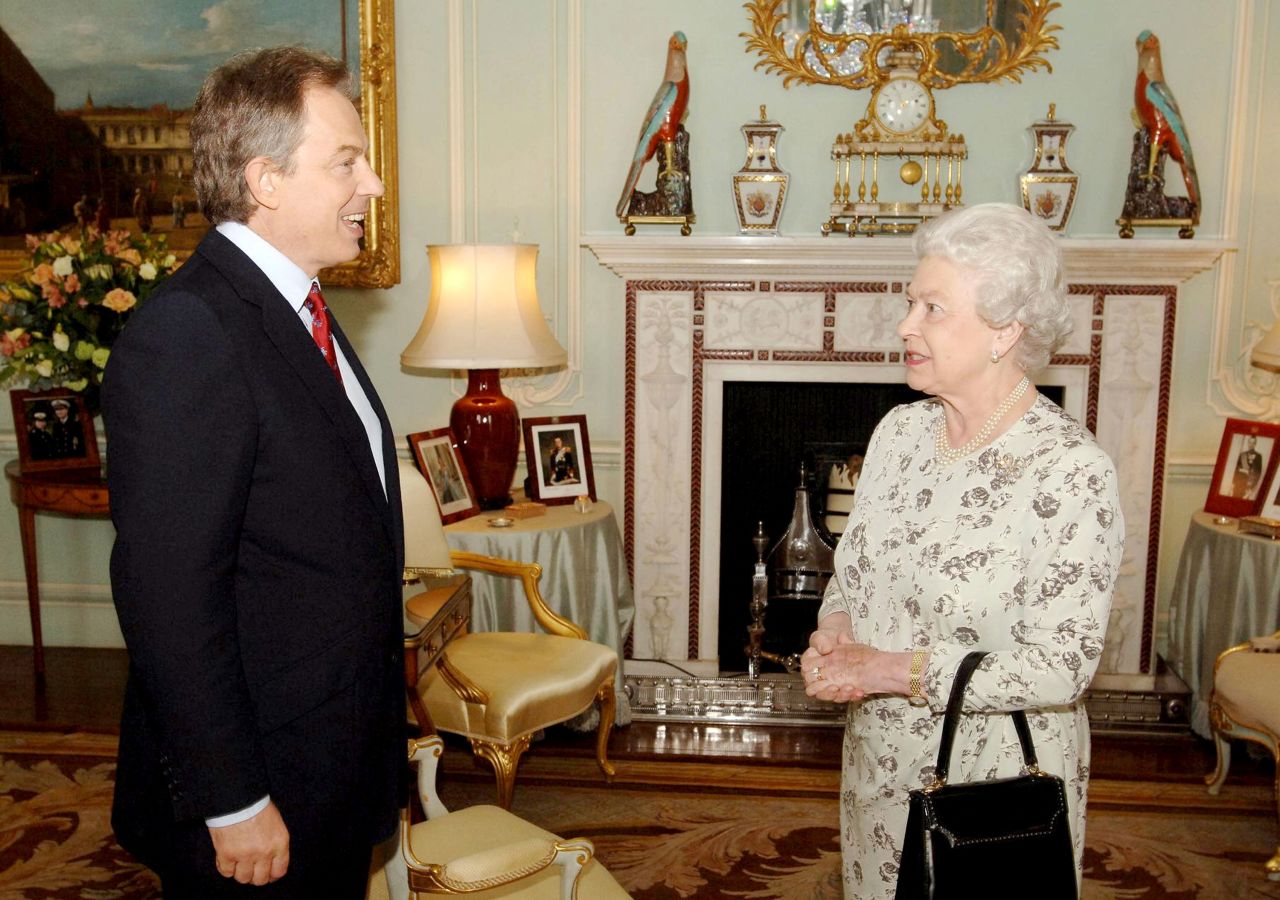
986,518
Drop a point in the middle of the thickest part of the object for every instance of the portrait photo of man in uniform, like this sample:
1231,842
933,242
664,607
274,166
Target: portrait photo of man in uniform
54,430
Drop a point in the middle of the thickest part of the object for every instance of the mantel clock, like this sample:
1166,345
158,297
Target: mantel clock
899,130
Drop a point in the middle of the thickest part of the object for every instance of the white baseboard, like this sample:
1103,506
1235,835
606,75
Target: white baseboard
71,615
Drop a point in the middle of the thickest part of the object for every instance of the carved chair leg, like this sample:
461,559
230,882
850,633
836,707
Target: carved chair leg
1273,864
607,703
504,758
1218,776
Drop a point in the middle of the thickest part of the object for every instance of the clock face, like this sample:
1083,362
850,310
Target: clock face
901,105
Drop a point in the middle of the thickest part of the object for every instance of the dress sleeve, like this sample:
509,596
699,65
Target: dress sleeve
1072,540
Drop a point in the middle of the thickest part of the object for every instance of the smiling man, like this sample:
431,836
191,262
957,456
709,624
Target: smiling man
256,570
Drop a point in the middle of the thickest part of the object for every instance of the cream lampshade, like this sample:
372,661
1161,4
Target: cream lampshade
483,315
1266,353
425,549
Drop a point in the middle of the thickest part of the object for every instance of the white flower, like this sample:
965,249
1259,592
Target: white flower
147,272
61,341
62,266
45,368
169,261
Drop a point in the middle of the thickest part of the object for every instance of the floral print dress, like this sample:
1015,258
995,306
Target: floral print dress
1013,549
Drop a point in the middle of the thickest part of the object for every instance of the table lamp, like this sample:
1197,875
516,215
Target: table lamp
1266,353
483,315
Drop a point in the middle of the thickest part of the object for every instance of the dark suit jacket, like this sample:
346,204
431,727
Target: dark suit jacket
256,569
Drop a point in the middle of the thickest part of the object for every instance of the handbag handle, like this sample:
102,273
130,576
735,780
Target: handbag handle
955,702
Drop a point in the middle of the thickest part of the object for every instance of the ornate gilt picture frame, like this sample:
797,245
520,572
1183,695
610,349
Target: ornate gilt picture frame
70,154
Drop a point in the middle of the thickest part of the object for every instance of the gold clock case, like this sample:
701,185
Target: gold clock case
983,55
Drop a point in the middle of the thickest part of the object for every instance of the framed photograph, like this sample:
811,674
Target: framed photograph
118,154
558,456
54,429
1245,469
440,463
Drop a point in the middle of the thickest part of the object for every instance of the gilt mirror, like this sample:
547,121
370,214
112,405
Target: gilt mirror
848,42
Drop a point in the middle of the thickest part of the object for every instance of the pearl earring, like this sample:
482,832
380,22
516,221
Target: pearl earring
995,356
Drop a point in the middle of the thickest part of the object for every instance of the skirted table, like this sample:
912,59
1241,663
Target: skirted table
1227,591
584,575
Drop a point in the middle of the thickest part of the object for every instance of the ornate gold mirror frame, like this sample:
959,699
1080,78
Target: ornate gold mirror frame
379,263
812,55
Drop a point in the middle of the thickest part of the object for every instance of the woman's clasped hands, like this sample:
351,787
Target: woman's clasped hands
836,667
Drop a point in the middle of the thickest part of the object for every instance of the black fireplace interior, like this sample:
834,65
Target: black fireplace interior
769,429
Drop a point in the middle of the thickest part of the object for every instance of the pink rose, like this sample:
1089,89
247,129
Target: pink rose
54,296
131,256
119,300
71,283
11,345
111,245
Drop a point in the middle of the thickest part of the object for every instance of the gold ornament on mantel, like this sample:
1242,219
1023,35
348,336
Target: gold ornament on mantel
902,52
901,129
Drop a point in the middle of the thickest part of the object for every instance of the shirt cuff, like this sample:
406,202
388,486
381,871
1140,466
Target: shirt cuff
242,815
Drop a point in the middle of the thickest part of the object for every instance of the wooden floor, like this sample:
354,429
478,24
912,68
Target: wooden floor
84,690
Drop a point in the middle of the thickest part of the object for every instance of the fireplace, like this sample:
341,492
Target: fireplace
704,315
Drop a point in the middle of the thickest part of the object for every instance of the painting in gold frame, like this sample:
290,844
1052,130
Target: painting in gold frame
65,143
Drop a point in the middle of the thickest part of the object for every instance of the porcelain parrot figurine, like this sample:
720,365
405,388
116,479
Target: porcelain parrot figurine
662,120
1157,112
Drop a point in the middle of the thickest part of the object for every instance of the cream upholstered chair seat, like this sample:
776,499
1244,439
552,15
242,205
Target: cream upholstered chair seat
500,688
531,680
485,852
1245,704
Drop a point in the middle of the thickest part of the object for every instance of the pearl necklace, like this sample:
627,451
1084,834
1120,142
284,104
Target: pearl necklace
942,446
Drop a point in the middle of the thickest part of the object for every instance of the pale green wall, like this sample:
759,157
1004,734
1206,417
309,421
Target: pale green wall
526,71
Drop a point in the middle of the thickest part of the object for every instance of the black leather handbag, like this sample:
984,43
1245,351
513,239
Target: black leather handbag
1009,837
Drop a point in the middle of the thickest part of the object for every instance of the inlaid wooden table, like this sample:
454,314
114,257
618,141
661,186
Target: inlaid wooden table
77,493
437,612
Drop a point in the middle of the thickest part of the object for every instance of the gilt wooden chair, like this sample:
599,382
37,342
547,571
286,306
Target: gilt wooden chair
500,688
1245,704
484,852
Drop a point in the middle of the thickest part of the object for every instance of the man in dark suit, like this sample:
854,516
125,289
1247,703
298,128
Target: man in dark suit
256,570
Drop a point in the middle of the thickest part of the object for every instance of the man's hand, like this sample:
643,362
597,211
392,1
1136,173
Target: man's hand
255,851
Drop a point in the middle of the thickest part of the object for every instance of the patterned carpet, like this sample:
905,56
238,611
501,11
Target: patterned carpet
666,830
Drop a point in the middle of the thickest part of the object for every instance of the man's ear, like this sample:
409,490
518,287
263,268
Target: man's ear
263,178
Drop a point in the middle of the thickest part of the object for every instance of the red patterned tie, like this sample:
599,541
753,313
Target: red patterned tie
320,328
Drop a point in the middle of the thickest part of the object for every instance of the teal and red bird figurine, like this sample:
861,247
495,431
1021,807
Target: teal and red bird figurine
1156,111
662,121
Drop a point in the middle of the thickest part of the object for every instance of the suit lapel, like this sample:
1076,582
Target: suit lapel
298,348
284,329
388,449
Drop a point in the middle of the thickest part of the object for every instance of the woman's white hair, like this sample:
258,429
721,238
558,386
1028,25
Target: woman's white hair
1018,264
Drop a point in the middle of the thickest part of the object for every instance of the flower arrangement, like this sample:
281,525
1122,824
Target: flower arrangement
61,314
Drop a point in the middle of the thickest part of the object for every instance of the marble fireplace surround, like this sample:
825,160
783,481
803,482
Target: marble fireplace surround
704,311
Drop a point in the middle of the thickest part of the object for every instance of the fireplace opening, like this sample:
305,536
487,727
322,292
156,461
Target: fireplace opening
769,430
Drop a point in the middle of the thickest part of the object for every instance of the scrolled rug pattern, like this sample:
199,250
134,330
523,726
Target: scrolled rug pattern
666,830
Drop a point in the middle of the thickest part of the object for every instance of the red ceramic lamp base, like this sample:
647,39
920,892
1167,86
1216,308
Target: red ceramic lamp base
487,427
